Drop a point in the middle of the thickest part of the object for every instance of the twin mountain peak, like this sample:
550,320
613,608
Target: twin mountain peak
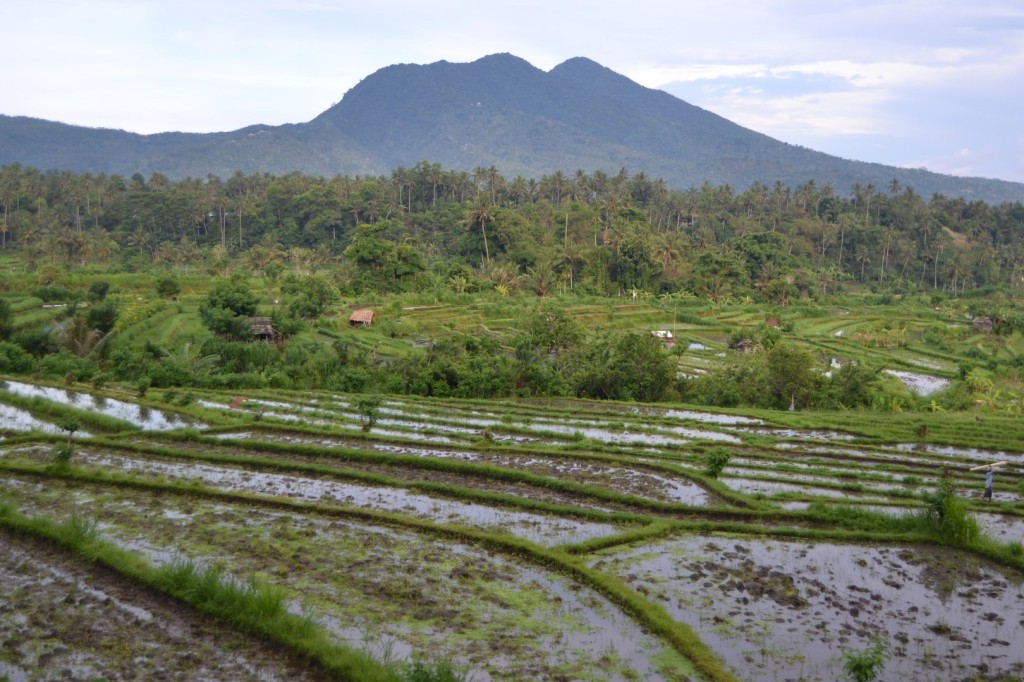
497,111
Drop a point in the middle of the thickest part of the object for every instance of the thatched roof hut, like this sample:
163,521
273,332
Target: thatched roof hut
361,318
262,329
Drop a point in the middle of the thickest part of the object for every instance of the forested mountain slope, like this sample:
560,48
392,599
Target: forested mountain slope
497,111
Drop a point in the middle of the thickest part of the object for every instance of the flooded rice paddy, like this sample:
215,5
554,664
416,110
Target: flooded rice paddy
16,419
61,619
381,588
786,610
138,415
435,477
534,527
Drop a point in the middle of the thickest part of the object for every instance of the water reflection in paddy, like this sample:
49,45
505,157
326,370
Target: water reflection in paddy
16,419
545,530
139,415
778,610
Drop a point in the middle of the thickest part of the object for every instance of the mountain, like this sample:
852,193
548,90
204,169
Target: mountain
497,111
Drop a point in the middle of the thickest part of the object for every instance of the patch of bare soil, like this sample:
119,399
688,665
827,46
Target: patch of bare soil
64,619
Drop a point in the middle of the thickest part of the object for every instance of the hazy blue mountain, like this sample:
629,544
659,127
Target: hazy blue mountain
497,111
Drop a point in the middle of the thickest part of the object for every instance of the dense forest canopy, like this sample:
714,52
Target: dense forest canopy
426,227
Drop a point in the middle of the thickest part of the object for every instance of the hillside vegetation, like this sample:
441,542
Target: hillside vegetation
486,288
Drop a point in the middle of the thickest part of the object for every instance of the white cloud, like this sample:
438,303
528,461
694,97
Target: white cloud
816,73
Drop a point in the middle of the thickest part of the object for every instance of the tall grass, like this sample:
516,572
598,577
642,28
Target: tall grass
251,605
946,516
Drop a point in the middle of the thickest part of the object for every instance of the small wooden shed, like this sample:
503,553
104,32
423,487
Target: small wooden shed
262,329
746,346
361,318
983,324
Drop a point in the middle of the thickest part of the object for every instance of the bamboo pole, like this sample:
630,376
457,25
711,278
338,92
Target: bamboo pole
985,466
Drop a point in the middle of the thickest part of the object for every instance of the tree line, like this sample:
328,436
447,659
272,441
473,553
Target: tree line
426,227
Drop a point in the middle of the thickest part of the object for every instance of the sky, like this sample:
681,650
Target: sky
936,84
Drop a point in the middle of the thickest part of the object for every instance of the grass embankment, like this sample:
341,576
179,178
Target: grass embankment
253,605
336,659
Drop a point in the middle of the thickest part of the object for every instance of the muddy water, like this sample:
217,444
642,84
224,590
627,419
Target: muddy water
1001,527
980,456
711,418
62,620
796,433
777,610
633,481
467,422
393,592
752,486
143,417
921,384
636,436
545,530
412,422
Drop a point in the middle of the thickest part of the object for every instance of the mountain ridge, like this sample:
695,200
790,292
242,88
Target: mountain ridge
496,111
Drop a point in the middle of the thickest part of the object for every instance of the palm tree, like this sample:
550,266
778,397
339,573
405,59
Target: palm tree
671,246
165,253
79,338
264,253
99,245
188,252
139,239
300,258
570,254
541,279
863,257
505,277
481,211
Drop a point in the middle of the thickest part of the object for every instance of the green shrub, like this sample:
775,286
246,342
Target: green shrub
418,671
167,287
102,316
864,665
51,293
6,320
64,362
947,516
98,291
715,461
14,359
36,342
62,456
369,408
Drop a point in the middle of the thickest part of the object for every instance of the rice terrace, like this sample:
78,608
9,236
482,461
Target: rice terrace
281,534
442,426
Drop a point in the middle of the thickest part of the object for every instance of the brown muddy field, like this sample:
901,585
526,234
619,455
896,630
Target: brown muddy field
788,610
348,543
63,619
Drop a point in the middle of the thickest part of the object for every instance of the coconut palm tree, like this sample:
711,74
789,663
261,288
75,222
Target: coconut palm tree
80,339
481,211
542,278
